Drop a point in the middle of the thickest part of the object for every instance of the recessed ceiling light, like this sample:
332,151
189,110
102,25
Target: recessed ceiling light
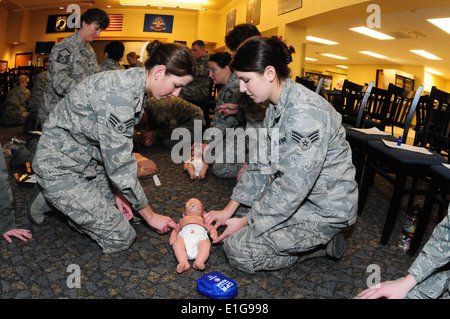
372,33
426,54
433,71
443,23
319,40
342,66
310,59
375,55
334,56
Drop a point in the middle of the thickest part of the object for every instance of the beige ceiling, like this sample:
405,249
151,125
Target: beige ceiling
54,4
405,20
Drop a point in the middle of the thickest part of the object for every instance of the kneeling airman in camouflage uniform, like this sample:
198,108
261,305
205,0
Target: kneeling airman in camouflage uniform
84,161
305,194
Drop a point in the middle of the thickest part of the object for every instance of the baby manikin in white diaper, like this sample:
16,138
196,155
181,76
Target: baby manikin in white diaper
192,235
192,241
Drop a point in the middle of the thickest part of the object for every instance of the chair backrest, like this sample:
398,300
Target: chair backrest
375,111
350,98
362,105
410,114
400,104
319,85
437,128
305,82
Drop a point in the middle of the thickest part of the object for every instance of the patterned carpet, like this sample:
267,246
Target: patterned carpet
44,267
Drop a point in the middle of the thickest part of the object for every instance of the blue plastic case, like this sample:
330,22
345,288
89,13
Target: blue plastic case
217,286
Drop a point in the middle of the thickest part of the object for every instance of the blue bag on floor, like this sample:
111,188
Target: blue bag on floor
217,286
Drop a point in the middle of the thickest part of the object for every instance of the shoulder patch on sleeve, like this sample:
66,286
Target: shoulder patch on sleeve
306,141
63,56
120,127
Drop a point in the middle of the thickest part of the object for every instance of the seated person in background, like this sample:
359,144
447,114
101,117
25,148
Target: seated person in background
113,52
228,96
192,241
199,88
163,116
15,108
133,60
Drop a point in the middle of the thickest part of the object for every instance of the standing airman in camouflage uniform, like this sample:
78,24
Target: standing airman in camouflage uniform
84,162
304,193
72,60
199,88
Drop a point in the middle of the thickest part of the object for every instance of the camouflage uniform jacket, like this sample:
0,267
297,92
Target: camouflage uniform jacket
198,89
37,92
110,64
15,109
70,62
94,125
434,255
229,93
167,114
314,174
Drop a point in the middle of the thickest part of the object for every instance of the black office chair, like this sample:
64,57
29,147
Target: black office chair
438,193
380,103
396,165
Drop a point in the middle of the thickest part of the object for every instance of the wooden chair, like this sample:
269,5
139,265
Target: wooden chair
380,112
305,82
353,97
396,165
437,127
310,84
421,118
438,193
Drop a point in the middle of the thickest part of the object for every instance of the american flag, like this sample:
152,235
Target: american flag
115,22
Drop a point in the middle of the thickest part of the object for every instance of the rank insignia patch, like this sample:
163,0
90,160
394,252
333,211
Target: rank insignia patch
63,56
305,142
120,127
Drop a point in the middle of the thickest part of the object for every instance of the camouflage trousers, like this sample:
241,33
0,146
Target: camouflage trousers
278,249
90,205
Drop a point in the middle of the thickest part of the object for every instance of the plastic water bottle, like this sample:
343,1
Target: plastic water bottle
409,227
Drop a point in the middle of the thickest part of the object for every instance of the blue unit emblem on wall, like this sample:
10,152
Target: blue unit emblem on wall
158,23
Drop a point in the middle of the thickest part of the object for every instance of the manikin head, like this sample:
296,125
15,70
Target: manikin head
193,207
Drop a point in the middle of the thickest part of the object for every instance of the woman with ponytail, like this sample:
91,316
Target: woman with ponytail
84,162
295,205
